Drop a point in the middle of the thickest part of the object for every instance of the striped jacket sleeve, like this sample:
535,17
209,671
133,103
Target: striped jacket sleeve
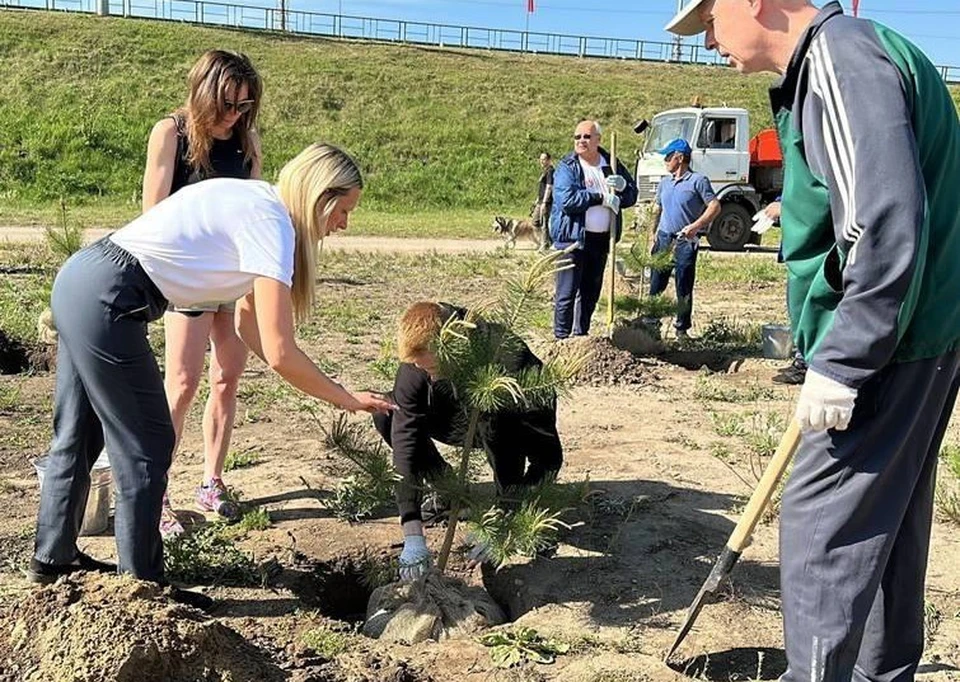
858,137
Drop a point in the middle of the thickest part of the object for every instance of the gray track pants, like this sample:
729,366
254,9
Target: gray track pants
108,388
855,530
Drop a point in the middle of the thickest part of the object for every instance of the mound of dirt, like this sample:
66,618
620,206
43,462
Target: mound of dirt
93,627
609,365
436,607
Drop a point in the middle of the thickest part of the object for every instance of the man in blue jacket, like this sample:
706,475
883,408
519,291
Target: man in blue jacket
588,196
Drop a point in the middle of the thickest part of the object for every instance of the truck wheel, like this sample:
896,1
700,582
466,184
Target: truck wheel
730,230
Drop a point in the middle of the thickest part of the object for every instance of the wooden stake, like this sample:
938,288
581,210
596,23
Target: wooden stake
612,256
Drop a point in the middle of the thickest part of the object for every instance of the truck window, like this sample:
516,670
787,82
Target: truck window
667,128
718,133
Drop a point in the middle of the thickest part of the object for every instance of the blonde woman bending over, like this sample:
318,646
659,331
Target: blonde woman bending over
219,240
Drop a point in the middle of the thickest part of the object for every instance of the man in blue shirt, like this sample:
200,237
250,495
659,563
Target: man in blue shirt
686,205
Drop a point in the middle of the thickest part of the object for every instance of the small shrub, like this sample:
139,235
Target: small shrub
326,643
65,239
509,648
379,571
9,395
948,502
525,531
728,425
253,520
208,555
731,333
359,496
241,459
932,619
372,486
387,363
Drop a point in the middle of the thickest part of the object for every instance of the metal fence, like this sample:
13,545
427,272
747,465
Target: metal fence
394,30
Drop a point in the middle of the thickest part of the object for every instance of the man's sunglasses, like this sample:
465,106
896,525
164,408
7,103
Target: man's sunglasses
241,107
586,136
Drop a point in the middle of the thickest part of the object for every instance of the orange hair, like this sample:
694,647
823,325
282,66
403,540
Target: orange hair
418,329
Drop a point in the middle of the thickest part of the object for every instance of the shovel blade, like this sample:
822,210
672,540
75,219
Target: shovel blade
707,594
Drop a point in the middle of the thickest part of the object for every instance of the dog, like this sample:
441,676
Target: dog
512,229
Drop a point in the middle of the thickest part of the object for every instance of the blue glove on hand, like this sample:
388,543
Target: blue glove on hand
616,183
415,559
611,201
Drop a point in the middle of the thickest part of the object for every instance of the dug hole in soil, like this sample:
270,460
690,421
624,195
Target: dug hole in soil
16,358
436,608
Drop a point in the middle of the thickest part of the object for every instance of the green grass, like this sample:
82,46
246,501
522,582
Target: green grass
436,131
9,394
751,269
948,502
253,520
22,299
208,555
714,388
326,643
241,459
950,454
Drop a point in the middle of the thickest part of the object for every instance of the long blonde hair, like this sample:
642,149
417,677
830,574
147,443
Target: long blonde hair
217,75
320,173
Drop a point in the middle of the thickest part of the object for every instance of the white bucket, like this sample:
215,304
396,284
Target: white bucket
96,516
777,341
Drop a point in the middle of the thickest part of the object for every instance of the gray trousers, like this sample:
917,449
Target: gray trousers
855,530
108,389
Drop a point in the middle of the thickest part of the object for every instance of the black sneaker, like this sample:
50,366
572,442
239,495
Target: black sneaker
194,599
41,573
792,376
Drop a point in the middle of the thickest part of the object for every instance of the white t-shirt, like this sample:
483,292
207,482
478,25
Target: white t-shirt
209,241
597,217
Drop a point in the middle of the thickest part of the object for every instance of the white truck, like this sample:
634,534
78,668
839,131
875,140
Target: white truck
746,173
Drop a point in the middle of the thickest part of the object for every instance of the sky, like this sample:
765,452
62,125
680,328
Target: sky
934,25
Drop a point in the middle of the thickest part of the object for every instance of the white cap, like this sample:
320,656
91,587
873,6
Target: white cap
687,22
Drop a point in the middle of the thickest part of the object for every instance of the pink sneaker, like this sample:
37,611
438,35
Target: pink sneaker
170,526
216,497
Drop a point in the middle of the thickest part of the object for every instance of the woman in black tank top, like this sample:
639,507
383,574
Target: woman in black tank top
212,135
227,159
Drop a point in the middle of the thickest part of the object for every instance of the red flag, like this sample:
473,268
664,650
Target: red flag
856,6
529,6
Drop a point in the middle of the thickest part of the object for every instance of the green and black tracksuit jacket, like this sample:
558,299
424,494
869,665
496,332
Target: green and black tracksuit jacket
871,199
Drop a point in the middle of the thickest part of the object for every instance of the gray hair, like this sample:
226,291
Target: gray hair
595,124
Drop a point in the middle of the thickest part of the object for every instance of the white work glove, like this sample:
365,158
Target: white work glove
761,222
824,403
415,559
616,183
611,201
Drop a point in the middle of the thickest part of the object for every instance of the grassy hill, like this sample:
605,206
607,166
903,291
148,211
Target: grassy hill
445,136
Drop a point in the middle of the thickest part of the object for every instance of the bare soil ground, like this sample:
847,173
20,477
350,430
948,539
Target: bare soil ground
668,451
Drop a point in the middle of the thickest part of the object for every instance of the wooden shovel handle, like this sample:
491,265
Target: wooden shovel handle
765,488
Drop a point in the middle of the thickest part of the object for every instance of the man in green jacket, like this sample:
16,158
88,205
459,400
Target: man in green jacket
871,239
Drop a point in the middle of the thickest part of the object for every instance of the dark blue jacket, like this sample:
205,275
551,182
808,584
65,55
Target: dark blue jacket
571,199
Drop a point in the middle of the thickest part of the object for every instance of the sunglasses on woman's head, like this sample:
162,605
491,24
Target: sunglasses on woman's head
241,107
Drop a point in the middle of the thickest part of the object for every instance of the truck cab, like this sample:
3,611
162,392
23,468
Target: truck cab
725,153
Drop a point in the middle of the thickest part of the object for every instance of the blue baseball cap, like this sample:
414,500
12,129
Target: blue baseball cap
678,145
